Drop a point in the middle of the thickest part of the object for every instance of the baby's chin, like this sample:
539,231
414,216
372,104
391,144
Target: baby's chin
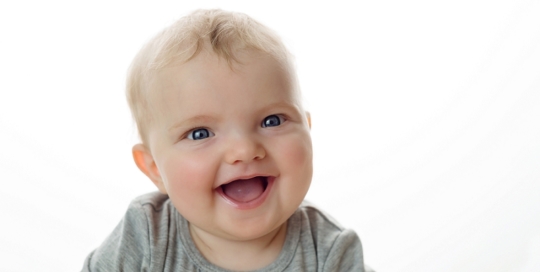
258,233
244,231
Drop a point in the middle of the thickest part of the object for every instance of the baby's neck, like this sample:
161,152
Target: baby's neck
240,255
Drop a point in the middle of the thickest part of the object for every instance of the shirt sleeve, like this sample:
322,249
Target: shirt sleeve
126,248
345,254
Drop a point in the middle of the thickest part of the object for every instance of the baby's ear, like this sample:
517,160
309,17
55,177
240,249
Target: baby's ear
308,115
145,161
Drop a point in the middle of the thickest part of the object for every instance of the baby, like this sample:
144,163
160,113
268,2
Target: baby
227,143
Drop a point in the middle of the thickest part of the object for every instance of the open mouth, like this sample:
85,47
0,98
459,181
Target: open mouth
245,190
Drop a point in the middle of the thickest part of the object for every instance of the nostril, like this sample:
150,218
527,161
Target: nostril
260,153
245,151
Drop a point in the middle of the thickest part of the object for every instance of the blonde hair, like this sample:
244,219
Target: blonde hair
226,32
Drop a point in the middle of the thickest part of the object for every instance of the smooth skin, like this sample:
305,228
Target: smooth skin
218,123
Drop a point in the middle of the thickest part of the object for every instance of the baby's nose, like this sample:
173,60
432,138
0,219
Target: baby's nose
244,149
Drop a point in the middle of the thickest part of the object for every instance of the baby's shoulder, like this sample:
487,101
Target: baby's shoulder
151,212
320,229
156,200
316,219
324,242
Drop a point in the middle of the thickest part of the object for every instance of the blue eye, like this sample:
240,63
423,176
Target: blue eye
272,121
199,134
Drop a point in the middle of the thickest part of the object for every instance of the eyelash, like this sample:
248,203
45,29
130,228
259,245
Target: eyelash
280,117
191,134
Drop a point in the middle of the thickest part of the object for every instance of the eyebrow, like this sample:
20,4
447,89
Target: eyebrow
207,119
282,104
191,120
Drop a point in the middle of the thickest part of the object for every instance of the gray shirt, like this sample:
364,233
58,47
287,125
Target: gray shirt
153,236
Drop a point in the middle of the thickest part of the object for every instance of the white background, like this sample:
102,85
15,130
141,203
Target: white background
426,125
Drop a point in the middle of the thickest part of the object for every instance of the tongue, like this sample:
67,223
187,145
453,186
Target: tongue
244,190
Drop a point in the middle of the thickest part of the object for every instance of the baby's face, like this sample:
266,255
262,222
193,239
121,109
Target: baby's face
232,148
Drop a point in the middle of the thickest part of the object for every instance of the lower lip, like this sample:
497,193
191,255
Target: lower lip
251,204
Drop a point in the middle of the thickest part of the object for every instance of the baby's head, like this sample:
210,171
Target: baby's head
225,34
223,130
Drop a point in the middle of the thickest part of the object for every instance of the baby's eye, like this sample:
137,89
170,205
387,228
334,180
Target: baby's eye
199,134
272,121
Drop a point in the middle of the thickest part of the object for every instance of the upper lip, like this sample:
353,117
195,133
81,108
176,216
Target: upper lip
249,176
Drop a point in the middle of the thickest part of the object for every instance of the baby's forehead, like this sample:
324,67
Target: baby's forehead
214,76
202,68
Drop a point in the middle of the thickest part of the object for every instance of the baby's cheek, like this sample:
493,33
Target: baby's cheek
188,177
296,167
298,153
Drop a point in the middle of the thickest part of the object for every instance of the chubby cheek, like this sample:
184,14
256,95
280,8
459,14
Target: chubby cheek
189,180
296,157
